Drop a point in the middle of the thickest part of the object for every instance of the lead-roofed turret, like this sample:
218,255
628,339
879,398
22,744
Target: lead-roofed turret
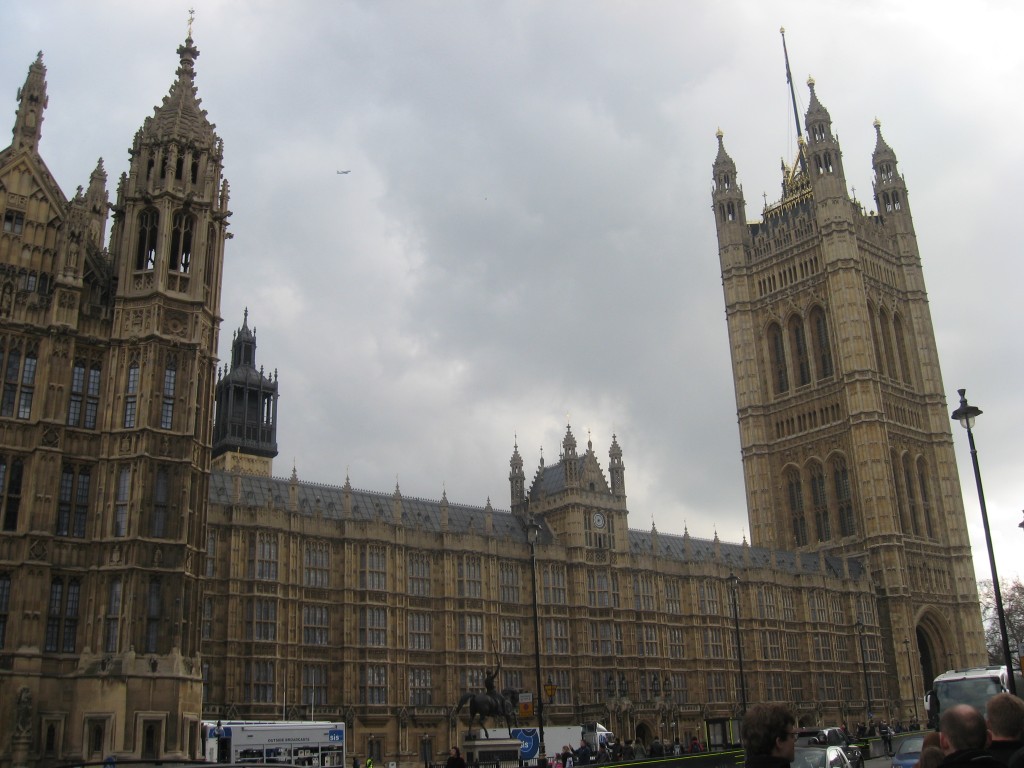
245,423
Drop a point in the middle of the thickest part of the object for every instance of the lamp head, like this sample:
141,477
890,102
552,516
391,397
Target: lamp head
965,414
532,531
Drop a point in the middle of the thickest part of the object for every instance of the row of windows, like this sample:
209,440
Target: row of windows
889,339
179,257
261,684
607,640
830,501
60,633
602,585
793,356
18,364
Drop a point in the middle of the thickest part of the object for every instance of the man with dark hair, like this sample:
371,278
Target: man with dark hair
964,737
1005,715
769,736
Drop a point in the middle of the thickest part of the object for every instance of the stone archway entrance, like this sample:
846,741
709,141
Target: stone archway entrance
643,733
927,659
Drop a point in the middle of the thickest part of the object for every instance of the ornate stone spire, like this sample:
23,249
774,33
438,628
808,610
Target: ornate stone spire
32,100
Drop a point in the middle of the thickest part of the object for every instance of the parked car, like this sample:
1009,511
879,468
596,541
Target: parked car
833,737
907,751
815,756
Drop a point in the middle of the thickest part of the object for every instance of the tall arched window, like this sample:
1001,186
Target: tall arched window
822,345
901,348
926,506
844,500
897,483
798,344
182,229
795,494
908,486
873,322
145,249
777,354
819,500
885,328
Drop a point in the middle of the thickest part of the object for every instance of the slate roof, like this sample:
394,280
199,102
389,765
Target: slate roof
425,514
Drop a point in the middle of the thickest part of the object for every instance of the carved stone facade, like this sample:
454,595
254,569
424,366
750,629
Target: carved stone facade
844,428
108,356
382,610
153,571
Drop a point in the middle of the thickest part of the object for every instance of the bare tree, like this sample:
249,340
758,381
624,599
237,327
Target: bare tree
1013,609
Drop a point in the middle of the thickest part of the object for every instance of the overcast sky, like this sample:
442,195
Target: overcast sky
526,235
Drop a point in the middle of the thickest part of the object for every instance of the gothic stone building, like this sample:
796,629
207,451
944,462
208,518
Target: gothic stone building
844,428
153,570
108,363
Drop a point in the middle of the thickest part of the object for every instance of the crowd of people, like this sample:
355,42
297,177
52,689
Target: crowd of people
620,752
965,739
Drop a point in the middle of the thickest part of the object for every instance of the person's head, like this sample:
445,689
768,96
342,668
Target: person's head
931,757
455,752
1005,715
962,727
931,739
767,729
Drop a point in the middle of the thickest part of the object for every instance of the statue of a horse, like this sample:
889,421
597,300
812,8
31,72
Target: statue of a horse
484,705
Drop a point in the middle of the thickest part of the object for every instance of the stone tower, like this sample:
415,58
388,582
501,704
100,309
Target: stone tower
844,428
245,425
105,436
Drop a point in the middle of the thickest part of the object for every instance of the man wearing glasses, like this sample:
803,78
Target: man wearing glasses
769,736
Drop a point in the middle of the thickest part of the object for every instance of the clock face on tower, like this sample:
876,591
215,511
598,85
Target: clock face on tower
598,520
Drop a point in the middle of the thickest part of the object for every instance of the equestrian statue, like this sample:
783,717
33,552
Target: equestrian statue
490,703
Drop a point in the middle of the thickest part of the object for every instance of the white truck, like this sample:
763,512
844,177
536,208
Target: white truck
974,686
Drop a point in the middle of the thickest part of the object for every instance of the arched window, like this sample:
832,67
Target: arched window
901,348
798,344
926,506
795,494
145,250
822,345
777,352
844,500
131,393
182,228
908,487
819,500
885,328
167,402
873,322
897,484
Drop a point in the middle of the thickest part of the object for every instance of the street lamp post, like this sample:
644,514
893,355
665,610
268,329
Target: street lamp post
966,414
864,667
532,532
734,582
910,669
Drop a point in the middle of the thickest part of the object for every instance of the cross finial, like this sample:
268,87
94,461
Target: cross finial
191,18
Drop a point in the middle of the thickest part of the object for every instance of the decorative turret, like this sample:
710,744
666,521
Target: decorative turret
730,208
32,100
170,219
825,159
245,424
890,187
516,477
569,463
616,469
